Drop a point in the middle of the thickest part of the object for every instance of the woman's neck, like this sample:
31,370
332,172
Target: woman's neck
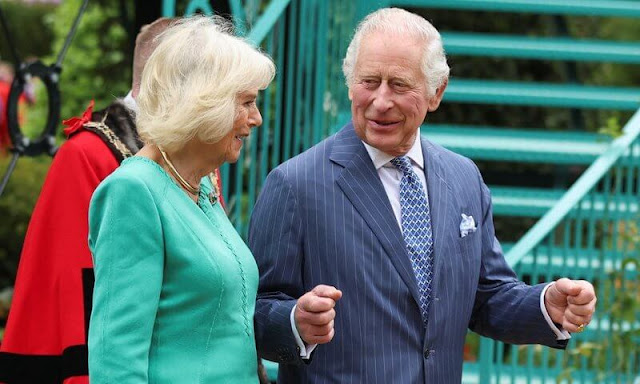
189,165
186,162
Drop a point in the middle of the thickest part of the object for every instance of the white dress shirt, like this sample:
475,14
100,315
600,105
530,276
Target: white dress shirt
391,177
130,103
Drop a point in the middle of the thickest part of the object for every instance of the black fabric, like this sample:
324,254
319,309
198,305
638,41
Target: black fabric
44,369
88,281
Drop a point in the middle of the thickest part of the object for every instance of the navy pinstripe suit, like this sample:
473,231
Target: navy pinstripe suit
323,218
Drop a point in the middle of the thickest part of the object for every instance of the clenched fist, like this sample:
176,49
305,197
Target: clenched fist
571,303
315,313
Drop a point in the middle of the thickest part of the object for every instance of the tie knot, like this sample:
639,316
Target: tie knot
403,164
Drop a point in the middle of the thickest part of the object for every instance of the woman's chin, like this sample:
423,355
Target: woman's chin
232,159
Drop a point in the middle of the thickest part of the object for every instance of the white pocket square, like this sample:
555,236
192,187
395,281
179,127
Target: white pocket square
467,225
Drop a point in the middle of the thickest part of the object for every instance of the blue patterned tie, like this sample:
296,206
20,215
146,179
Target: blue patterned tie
416,229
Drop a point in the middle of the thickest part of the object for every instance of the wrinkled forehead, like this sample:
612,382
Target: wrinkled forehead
390,55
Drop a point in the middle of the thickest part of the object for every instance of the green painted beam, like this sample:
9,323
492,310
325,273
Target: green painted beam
519,374
520,145
535,202
542,94
168,8
617,8
578,190
581,263
544,48
267,20
198,5
523,202
239,16
272,369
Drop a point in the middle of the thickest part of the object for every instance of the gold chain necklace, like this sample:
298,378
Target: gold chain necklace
188,187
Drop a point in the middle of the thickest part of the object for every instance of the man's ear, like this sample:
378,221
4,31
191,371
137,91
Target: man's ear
350,94
435,100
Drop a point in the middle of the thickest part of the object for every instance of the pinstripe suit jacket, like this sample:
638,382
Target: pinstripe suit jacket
323,217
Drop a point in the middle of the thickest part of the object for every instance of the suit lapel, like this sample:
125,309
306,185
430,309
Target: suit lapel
361,184
440,199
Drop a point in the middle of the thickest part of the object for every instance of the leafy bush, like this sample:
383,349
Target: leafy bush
31,36
97,65
16,205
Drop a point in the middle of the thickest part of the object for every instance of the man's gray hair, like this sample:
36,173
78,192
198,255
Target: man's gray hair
401,22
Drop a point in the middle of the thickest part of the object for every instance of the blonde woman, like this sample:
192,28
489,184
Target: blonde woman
175,284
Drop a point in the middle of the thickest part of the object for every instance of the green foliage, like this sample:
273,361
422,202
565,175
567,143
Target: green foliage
6,295
612,128
97,65
30,34
618,352
622,75
16,205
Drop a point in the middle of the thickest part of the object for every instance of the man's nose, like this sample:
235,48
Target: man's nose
383,98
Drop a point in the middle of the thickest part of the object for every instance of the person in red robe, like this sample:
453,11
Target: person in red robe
6,76
28,97
45,340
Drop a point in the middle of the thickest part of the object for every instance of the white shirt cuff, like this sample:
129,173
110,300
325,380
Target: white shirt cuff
305,351
561,334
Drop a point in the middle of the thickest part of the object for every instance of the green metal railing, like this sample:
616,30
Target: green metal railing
307,40
616,8
575,241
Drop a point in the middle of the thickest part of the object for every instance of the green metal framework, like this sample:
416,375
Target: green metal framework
583,233
590,233
307,40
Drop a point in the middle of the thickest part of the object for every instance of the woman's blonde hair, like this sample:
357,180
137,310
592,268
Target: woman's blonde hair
192,79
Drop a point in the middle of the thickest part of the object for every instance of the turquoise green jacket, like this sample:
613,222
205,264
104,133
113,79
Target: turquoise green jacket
175,284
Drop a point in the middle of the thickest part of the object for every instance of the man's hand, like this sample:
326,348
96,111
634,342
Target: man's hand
314,314
571,303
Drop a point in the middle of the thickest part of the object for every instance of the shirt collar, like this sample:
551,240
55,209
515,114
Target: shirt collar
130,103
380,159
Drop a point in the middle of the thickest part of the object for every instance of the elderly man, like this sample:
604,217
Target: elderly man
402,227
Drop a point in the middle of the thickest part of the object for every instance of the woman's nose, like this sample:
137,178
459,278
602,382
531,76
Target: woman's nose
255,119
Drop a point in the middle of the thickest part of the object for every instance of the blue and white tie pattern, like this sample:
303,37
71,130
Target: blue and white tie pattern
416,229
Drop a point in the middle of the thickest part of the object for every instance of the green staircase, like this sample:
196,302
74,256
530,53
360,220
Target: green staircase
538,94
601,8
543,48
581,229
531,145
590,233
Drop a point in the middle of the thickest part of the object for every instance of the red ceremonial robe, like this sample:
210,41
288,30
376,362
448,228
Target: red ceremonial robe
45,338
48,317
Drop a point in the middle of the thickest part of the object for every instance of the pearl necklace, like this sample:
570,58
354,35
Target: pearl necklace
184,183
